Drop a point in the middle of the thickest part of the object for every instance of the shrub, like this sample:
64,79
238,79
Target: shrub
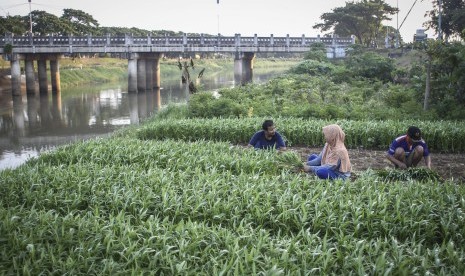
313,68
317,52
372,66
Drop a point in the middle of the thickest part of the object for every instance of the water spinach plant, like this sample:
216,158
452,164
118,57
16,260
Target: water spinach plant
125,205
441,136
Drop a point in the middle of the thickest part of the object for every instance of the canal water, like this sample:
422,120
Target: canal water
30,125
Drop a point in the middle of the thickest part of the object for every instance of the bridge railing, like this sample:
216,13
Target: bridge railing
225,41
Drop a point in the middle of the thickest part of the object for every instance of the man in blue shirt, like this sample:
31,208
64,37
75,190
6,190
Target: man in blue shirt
407,150
267,138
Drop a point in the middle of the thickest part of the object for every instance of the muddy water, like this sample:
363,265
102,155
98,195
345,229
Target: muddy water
30,125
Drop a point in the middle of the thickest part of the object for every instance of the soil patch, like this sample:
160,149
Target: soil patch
448,166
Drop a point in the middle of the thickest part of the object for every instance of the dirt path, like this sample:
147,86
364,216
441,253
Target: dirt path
448,166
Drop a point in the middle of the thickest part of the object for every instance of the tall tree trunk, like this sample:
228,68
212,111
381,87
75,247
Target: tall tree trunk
428,84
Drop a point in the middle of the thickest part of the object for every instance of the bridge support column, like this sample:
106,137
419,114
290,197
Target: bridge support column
30,76
132,73
15,75
247,67
141,81
42,73
55,75
148,74
237,69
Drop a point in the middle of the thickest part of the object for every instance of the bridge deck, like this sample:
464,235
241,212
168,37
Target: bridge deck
125,44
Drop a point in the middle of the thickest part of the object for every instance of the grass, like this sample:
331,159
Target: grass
441,136
185,204
127,206
85,70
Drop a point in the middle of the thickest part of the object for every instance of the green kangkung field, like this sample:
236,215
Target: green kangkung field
180,195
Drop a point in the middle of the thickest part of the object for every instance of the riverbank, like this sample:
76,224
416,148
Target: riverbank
84,70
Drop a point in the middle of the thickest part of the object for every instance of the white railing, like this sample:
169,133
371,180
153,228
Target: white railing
200,43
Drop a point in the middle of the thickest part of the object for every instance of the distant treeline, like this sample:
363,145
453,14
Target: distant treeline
71,22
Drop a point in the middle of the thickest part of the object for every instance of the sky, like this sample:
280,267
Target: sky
227,17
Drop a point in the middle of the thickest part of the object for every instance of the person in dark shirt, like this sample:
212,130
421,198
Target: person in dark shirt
407,150
267,138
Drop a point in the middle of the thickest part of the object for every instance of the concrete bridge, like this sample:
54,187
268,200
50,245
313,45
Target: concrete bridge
144,53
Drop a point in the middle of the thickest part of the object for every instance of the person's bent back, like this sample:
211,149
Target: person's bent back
407,150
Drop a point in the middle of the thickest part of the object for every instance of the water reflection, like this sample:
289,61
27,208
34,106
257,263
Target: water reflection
30,124
34,123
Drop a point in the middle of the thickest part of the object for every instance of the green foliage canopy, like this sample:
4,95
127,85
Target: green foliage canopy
47,23
81,22
452,18
13,24
362,19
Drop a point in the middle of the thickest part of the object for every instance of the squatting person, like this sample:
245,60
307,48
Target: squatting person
407,150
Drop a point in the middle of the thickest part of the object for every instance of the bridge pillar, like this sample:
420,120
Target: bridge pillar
55,75
141,81
42,74
132,73
237,69
148,74
30,76
152,69
15,75
247,67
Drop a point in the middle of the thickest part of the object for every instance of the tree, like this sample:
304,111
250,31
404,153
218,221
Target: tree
186,76
317,52
44,23
362,19
13,24
370,65
81,22
445,78
452,18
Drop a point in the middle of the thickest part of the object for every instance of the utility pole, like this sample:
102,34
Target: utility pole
218,14
397,28
30,18
440,20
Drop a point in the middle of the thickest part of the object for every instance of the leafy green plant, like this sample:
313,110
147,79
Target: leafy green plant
445,136
127,206
417,174
371,65
313,67
317,52
187,68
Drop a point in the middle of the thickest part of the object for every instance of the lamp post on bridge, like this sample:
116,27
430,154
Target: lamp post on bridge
218,14
439,19
30,18
397,27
